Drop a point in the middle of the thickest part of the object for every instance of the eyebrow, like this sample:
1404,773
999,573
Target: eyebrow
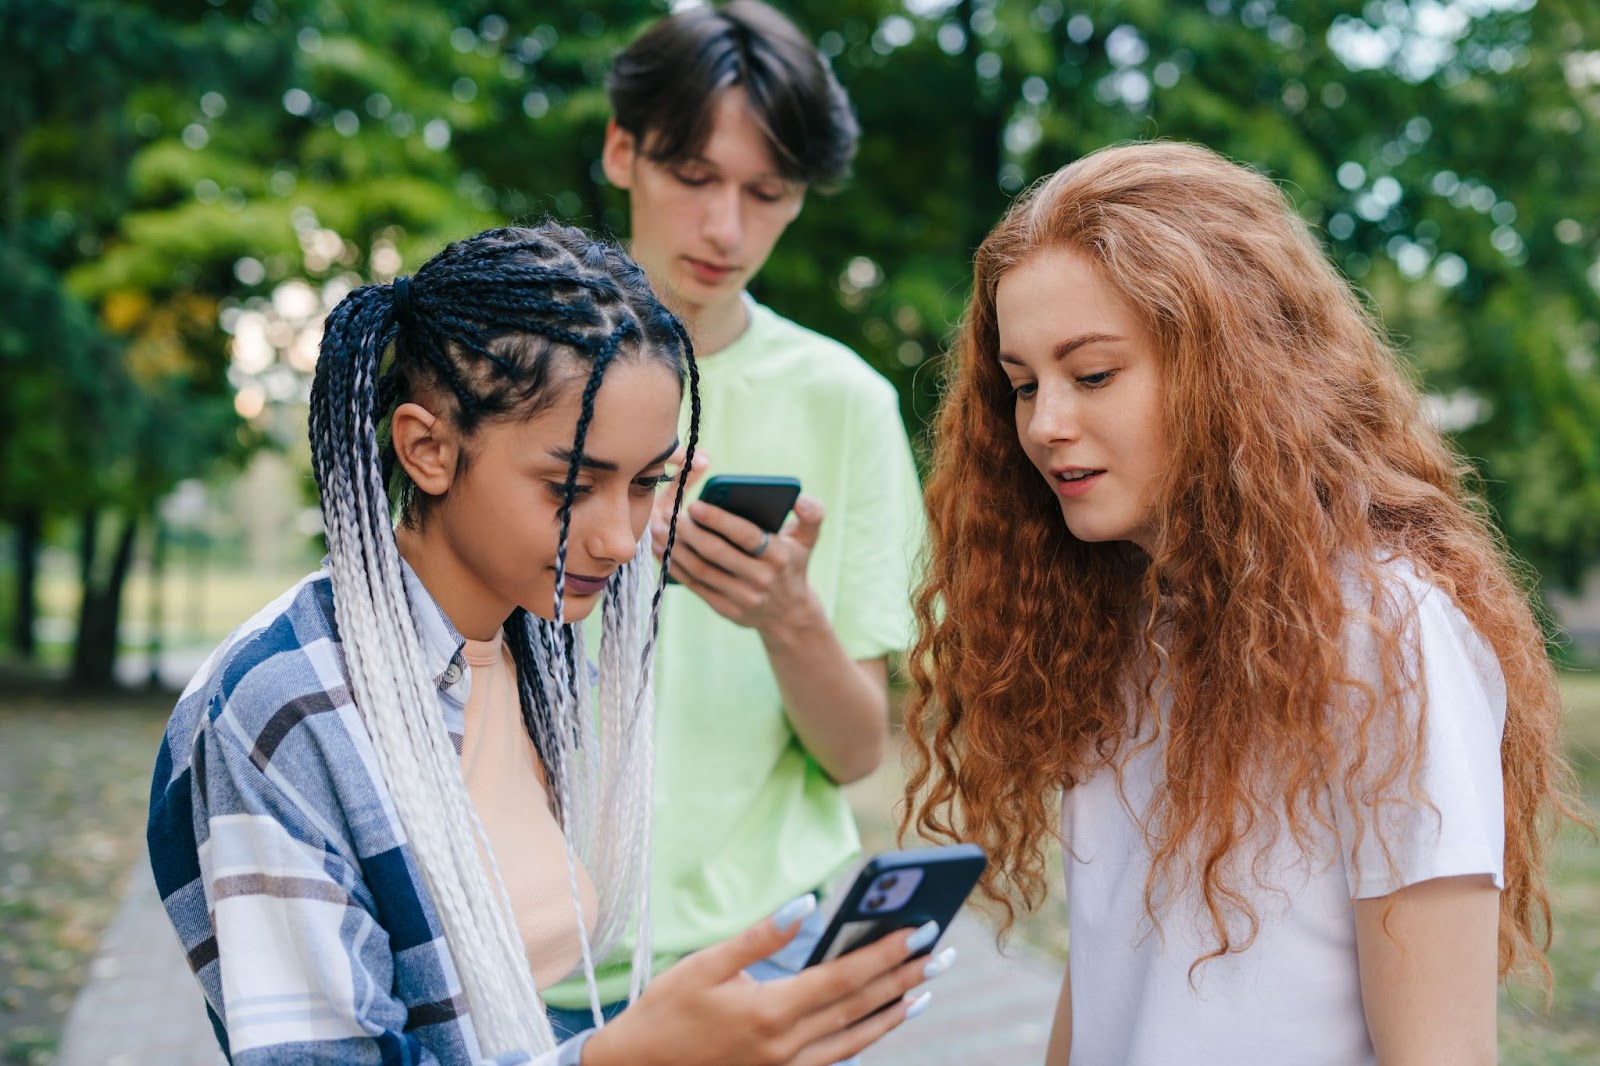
1066,348
589,462
765,175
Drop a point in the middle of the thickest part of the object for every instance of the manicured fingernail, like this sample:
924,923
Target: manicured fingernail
918,1005
925,935
793,911
939,964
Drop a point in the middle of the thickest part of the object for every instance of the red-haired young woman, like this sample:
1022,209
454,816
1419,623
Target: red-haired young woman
1202,570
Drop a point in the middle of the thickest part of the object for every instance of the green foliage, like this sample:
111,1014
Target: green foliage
182,161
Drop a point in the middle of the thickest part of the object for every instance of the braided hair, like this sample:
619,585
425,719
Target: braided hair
483,324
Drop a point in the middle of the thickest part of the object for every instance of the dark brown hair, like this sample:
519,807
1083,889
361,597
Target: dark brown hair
665,85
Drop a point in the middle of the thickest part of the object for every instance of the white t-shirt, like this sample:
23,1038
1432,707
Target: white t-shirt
1294,996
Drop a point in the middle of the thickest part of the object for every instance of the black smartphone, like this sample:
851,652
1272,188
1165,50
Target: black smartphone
759,498
764,500
900,889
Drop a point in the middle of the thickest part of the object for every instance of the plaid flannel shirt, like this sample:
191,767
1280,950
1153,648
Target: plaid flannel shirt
282,863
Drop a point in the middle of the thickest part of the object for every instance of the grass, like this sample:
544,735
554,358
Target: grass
74,785
1567,1035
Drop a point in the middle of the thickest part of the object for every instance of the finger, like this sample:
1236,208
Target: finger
862,1000
695,570
724,961
847,1043
740,532
808,514
738,565
838,977
888,988
721,592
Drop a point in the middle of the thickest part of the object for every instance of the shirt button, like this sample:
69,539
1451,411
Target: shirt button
452,674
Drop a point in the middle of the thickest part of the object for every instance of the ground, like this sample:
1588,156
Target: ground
74,783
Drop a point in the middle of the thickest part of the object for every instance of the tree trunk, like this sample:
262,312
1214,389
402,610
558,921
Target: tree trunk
30,531
158,574
94,658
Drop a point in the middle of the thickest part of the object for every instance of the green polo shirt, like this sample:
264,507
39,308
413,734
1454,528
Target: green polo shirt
745,819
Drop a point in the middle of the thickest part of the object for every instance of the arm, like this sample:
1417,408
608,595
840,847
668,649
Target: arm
1428,960
838,706
1059,1050
306,969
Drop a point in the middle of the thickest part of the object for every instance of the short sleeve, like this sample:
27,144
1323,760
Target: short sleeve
1460,830
883,529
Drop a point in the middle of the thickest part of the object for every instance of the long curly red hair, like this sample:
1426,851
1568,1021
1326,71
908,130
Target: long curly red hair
1300,463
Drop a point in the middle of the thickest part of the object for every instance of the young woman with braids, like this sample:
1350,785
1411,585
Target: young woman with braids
385,813
1202,571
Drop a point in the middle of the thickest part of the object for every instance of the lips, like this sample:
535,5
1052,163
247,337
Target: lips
580,585
1075,481
709,273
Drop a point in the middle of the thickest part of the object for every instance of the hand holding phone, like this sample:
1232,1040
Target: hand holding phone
760,499
757,498
900,889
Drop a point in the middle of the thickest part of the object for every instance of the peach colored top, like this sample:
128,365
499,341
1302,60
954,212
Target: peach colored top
506,782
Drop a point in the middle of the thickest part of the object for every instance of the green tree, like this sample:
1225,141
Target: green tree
108,441
1446,153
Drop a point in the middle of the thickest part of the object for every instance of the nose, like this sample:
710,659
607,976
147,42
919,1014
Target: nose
1054,418
722,224
610,536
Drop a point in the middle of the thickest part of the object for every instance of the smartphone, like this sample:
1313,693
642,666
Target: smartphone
766,501
901,889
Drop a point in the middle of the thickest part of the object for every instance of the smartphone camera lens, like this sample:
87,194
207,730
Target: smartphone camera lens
875,902
888,881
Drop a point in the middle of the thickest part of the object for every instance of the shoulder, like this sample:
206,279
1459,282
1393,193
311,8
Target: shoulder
1441,646
811,360
270,675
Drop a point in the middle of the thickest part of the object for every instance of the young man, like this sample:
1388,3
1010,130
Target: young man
772,675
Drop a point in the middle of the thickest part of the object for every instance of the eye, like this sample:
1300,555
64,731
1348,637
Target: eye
1096,380
648,485
767,196
694,181
1024,390
558,489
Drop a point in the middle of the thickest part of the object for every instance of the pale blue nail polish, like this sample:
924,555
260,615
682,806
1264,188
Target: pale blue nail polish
939,964
793,911
925,935
918,1005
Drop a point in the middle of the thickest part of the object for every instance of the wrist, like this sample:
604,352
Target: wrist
599,1047
799,625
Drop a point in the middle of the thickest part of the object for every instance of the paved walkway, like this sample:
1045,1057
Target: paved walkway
142,1007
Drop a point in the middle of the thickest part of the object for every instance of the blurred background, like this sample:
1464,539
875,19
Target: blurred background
186,186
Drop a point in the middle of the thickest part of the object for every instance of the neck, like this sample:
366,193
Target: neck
713,328
476,613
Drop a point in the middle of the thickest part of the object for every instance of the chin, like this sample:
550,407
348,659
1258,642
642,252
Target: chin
577,607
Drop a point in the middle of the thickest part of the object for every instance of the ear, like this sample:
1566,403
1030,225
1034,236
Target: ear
619,154
426,447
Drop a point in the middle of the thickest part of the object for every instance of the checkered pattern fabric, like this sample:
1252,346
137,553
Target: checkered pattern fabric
282,864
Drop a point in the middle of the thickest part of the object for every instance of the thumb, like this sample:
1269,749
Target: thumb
808,513
721,962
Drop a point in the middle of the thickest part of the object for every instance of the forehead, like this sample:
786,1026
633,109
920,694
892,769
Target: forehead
1056,291
735,138
635,414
